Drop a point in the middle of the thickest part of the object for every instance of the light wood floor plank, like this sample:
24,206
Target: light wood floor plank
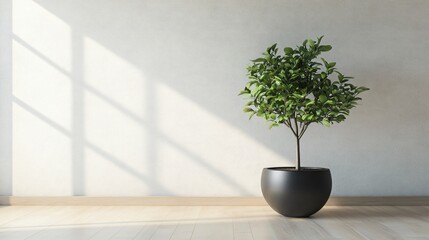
127,232
38,218
338,229
218,230
183,231
105,233
303,228
412,224
147,232
8,214
17,234
241,229
81,233
269,228
211,223
164,232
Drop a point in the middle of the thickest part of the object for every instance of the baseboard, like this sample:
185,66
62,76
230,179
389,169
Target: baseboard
134,201
200,201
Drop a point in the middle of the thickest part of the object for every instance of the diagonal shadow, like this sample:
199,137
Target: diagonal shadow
30,48
78,31
131,116
126,112
140,121
145,41
91,146
167,139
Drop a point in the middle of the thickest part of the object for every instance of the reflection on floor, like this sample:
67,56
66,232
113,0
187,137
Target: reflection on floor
205,223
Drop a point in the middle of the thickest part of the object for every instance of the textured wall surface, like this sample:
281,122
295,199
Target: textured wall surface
136,98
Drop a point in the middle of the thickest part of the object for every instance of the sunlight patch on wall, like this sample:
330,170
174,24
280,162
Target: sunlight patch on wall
111,76
47,33
112,130
108,175
41,154
206,147
34,81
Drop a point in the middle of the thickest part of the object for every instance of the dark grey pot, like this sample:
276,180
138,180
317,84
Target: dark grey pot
296,193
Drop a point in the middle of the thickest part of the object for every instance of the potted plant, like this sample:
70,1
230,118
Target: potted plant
296,89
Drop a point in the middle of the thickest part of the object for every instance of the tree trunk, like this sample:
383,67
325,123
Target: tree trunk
298,155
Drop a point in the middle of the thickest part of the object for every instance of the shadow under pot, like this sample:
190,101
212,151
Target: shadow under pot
295,193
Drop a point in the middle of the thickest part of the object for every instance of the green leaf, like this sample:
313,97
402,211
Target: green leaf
272,47
249,84
249,103
326,123
305,42
251,115
362,89
305,116
248,110
323,98
332,64
325,48
341,118
259,60
288,50
273,125
340,77
309,103
245,91
325,62
311,42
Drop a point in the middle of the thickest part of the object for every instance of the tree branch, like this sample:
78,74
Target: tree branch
303,130
296,126
288,123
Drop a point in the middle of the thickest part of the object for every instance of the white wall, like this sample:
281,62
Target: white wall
5,97
132,98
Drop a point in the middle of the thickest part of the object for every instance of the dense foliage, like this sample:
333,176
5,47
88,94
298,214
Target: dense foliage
297,89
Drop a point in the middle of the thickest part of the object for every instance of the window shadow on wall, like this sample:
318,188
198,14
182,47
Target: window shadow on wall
191,63
196,50
187,50
77,135
226,106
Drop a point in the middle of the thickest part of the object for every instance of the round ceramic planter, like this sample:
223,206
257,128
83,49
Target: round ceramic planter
295,193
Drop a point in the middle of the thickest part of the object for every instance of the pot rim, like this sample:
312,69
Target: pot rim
293,169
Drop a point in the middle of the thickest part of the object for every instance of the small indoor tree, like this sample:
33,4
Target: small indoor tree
297,88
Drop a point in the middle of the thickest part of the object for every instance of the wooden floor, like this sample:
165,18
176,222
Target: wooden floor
205,223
